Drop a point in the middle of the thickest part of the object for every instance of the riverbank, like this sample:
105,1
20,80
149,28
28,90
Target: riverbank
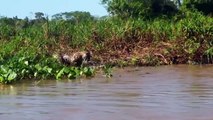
29,48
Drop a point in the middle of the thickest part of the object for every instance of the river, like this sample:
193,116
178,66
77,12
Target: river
179,92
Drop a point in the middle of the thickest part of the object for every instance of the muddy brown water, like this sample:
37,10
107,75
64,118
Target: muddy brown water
145,93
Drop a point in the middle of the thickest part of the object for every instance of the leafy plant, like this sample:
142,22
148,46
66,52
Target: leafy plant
107,69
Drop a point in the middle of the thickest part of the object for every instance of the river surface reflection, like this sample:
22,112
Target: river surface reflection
179,92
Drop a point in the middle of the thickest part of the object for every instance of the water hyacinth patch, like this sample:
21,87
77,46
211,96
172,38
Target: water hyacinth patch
27,68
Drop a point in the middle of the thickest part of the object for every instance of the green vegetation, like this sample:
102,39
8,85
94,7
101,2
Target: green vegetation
140,8
136,34
18,68
204,6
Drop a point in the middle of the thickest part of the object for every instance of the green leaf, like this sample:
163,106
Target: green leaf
86,69
38,67
47,69
60,73
1,78
26,63
3,69
12,76
71,75
66,70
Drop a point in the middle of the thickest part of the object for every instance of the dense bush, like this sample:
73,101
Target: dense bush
140,8
204,6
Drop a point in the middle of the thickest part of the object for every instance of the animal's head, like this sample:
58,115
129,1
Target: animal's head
65,59
88,55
